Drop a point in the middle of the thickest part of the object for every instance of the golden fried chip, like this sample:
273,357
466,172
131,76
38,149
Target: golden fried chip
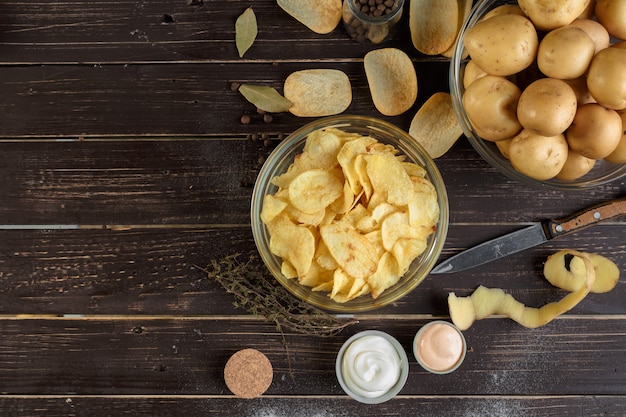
352,251
315,276
388,177
424,208
347,156
414,170
406,250
321,16
396,226
288,270
435,125
392,80
314,190
324,258
385,276
322,146
272,206
318,92
343,204
283,234
374,220
434,25
341,282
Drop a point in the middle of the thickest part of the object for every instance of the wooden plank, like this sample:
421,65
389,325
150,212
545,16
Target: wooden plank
155,272
142,356
209,182
166,99
308,406
131,31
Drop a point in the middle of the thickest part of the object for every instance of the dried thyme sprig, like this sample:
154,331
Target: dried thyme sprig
259,294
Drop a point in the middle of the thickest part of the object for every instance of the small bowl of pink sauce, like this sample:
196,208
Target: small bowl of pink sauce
439,347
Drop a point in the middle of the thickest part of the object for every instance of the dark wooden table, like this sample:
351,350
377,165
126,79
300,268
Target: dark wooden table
124,167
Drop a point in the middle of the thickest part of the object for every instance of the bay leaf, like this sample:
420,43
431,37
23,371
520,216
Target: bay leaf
246,30
265,98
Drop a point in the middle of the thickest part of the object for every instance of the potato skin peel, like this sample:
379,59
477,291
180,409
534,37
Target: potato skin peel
485,302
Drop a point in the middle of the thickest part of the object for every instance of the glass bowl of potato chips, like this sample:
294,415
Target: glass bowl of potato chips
523,109
349,213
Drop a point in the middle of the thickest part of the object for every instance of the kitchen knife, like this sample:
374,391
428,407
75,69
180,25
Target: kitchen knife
531,236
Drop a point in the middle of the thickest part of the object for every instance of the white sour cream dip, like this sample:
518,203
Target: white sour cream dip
371,366
439,346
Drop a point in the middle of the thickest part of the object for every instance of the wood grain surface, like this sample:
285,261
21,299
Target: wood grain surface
125,170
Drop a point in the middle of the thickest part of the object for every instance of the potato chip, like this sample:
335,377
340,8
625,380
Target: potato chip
374,220
315,276
283,234
396,226
389,178
318,92
435,125
325,287
324,258
309,219
344,203
392,80
347,156
465,7
314,190
352,251
288,270
321,148
424,209
434,25
406,250
385,276
341,282
272,207
321,16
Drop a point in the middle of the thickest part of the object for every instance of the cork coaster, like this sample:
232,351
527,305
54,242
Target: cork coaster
248,373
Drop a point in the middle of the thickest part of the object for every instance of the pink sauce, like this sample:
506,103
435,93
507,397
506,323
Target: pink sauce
439,347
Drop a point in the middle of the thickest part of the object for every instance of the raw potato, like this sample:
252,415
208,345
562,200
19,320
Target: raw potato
565,53
612,15
392,80
547,107
321,16
606,78
502,45
435,125
504,9
536,156
618,156
579,85
491,106
598,33
548,15
595,132
575,166
504,146
318,92
434,25
471,73
485,302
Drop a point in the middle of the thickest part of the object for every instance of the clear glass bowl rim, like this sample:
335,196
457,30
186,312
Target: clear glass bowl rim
284,154
488,150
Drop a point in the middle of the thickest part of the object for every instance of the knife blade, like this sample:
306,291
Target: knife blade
534,235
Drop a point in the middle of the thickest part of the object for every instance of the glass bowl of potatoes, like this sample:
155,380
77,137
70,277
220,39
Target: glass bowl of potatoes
349,213
540,95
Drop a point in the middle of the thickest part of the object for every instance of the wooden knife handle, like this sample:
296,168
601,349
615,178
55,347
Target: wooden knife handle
585,218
